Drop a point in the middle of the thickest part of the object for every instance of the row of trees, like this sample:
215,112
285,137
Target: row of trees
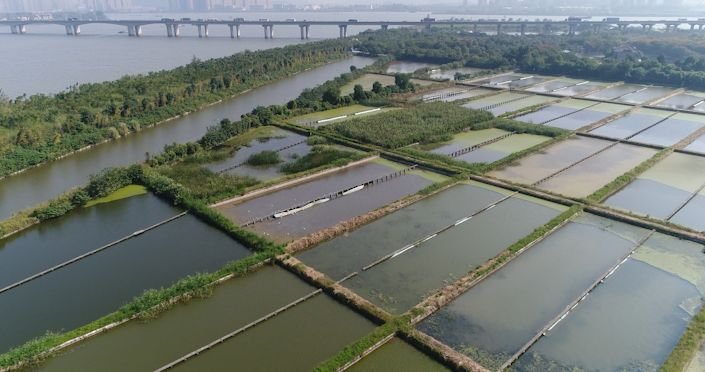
642,58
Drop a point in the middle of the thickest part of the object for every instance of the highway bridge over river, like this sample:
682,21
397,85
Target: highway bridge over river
173,26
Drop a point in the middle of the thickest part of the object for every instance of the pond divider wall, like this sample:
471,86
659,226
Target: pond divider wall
367,352
88,254
572,305
442,352
563,170
277,150
479,145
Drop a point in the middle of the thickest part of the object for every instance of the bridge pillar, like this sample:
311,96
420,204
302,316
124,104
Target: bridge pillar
200,31
69,30
205,30
499,28
21,29
177,29
13,29
130,30
522,29
232,31
700,27
303,33
308,27
271,31
428,27
571,29
692,27
169,30
343,31
668,28
385,27
474,28
76,30
138,30
266,31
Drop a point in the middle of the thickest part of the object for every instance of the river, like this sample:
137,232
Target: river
50,180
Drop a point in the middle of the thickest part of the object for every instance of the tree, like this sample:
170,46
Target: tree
26,137
377,87
359,93
403,81
332,95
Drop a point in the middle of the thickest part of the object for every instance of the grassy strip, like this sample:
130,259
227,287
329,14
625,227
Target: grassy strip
688,345
122,193
354,350
627,178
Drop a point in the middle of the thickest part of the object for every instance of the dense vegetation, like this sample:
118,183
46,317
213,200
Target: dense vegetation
264,158
319,156
674,60
40,128
428,122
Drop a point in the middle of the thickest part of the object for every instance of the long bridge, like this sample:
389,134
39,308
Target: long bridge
173,26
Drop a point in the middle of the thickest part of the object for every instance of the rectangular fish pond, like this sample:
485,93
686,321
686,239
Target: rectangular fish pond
672,130
579,89
397,356
616,91
487,103
320,326
521,104
645,96
553,85
590,115
698,145
632,123
99,284
634,319
673,188
328,199
555,111
499,81
415,271
583,179
57,241
484,146
549,161
498,316
683,101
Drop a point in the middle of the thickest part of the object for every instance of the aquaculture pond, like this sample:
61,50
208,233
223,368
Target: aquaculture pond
464,140
97,285
499,150
353,251
527,82
553,85
615,92
647,95
473,92
184,328
672,130
634,319
494,319
287,144
85,229
536,167
579,89
588,116
555,111
501,80
494,100
668,186
585,178
301,338
397,356
326,213
697,146
521,104
682,101
413,274
632,123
